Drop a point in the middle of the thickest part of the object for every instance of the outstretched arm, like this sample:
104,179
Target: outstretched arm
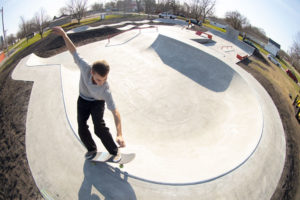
59,31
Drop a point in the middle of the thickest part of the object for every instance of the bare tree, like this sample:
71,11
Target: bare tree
164,6
64,11
120,5
26,28
11,39
196,9
110,5
294,52
124,6
207,8
31,26
174,6
150,6
41,20
236,20
97,6
259,33
23,27
138,4
186,9
77,8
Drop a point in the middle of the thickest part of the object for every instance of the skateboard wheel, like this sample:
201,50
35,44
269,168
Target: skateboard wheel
121,165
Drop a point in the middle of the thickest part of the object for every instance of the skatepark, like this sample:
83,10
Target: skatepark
201,127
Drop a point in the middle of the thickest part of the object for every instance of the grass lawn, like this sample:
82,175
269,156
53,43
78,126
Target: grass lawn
22,45
278,77
214,27
261,49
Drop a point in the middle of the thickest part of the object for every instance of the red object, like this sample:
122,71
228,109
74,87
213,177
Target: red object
2,56
208,35
292,75
241,57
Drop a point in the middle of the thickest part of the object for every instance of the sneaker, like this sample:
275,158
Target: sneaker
90,154
117,157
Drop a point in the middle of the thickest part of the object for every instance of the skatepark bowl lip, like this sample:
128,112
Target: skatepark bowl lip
176,65
222,78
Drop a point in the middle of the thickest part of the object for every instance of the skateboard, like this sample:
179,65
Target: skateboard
106,157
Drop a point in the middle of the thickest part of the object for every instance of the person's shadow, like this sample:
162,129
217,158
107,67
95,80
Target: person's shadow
109,181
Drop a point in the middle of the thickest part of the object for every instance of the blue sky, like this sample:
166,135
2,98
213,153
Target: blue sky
280,19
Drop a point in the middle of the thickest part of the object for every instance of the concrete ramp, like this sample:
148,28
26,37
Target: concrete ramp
231,35
195,64
200,126
201,88
35,60
87,28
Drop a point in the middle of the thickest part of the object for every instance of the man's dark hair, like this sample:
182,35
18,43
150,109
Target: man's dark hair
101,67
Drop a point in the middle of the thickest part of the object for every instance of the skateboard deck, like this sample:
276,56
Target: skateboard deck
106,157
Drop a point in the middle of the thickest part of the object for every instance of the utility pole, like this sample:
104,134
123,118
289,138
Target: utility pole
4,35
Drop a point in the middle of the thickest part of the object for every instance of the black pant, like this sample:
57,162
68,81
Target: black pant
96,109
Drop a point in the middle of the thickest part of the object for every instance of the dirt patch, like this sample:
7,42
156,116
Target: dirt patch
289,181
15,177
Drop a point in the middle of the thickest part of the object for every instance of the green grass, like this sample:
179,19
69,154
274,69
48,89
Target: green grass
214,27
7,63
113,16
287,66
83,22
31,41
89,21
181,18
22,45
260,48
277,77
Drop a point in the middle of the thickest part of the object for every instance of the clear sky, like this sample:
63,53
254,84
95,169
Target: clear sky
280,19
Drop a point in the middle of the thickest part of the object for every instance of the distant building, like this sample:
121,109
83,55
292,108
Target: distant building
272,47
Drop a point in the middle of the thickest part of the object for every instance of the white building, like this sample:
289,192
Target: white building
272,47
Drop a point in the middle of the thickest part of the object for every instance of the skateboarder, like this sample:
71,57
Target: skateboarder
94,93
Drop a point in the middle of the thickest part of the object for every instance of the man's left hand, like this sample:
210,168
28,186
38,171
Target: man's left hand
120,141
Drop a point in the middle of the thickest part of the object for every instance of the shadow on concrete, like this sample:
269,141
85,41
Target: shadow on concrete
107,180
211,44
197,65
206,42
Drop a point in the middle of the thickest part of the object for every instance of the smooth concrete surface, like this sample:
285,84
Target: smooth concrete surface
201,126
